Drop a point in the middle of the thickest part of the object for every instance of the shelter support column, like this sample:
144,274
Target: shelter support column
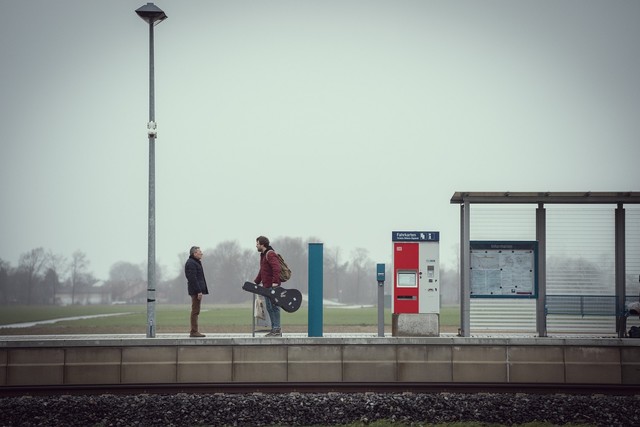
541,301
620,268
465,263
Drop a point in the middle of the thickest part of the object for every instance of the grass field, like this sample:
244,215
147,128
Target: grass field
174,318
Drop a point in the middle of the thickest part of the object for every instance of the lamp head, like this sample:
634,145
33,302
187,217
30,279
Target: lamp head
151,13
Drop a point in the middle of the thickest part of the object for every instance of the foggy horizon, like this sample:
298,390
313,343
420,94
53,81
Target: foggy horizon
367,116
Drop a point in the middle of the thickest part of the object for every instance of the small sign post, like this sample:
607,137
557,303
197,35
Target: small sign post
380,277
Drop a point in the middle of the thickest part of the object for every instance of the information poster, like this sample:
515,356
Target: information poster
504,269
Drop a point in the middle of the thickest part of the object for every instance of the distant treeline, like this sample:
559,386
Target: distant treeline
42,277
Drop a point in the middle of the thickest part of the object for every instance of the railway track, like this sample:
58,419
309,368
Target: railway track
230,388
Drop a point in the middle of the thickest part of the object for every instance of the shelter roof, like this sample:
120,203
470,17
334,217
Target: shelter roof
546,197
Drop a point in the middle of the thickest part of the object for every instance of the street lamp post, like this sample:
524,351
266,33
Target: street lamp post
153,15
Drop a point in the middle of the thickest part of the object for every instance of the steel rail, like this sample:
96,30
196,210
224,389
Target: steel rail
342,387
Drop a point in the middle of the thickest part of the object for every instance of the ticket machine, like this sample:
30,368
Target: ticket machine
416,281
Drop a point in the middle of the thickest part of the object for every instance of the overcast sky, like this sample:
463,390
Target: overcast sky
342,120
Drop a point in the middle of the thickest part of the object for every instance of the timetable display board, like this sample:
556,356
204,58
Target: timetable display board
504,269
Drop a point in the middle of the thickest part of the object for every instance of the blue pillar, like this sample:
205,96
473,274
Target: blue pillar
315,290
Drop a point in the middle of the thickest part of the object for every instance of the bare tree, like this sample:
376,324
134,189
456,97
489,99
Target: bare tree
126,280
31,264
449,285
334,273
225,271
57,264
363,273
125,272
50,285
5,283
77,271
294,251
248,265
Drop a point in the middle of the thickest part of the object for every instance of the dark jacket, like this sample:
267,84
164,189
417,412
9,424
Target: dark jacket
269,273
196,283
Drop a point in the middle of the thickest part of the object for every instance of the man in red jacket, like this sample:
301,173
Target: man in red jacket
269,275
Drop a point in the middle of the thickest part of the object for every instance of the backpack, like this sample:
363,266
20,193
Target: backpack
634,332
285,271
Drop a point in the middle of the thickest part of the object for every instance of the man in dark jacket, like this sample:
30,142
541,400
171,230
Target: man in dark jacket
269,275
196,286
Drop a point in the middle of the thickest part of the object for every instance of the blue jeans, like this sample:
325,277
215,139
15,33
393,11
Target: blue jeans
274,313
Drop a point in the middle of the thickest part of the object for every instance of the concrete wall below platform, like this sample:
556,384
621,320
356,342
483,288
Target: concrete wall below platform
540,360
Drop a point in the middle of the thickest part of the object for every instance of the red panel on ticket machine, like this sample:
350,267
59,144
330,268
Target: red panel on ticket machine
416,272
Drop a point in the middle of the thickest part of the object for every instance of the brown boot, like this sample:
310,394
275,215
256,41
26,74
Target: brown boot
197,335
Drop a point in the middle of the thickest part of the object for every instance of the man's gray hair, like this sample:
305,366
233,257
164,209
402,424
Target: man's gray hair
193,250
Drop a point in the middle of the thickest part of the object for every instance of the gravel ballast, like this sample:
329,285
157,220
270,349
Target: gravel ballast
295,409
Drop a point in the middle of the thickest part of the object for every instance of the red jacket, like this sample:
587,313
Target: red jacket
269,273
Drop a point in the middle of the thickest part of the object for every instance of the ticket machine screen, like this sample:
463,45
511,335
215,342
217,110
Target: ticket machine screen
407,279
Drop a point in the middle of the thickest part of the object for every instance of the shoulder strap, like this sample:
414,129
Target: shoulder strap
271,250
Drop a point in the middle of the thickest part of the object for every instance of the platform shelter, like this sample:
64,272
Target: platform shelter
585,251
